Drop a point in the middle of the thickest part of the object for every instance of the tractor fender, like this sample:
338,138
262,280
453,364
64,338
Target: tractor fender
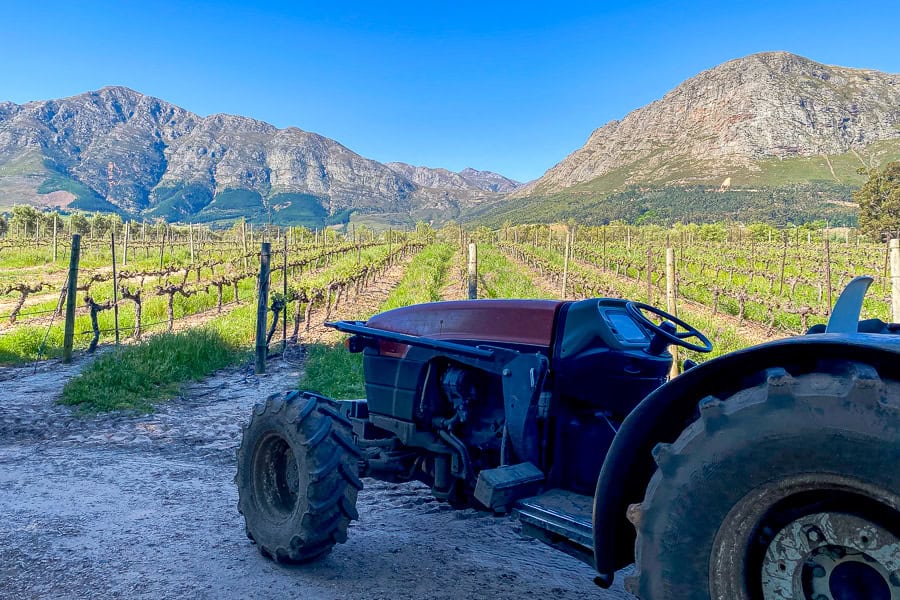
664,414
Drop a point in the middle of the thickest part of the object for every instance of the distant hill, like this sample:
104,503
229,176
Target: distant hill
467,179
118,150
772,136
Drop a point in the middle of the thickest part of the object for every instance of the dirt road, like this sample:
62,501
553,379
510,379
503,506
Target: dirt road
125,506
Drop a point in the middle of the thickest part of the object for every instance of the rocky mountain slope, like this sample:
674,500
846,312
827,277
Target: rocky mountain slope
467,179
742,119
116,149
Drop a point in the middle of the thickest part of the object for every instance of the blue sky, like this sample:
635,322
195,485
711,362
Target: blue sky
511,87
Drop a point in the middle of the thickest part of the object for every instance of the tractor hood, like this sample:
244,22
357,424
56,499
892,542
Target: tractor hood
505,321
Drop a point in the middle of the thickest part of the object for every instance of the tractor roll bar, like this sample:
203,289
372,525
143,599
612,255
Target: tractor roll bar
359,328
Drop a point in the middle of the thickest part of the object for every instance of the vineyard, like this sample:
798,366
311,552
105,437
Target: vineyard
742,285
175,283
131,446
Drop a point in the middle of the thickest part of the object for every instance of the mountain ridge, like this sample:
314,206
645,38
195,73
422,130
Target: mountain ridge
118,149
771,136
769,105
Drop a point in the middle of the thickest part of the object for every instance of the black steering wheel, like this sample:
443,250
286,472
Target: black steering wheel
636,310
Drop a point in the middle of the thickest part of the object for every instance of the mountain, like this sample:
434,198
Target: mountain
746,138
467,179
118,150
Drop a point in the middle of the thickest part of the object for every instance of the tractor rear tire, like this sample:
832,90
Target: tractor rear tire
297,477
788,489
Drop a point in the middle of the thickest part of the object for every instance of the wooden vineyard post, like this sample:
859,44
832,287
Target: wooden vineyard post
649,275
244,241
191,240
565,277
71,293
162,249
783,258
54,237
473,271
671,307
125,245
895,280
285,292
603,252
115,282
262,308
828,271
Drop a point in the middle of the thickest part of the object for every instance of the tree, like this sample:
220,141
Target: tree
879,201
26,218
763,232
101,224
79,224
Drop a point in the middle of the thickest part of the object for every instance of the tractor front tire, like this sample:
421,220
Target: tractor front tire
786,490
297,477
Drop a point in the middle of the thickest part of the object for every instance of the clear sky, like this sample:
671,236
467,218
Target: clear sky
511,87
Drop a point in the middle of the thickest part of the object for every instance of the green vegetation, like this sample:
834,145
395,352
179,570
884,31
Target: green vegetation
879,201
788,205
334,372
777,191
134,377
137,376
499,277
175,203
31,342
300,209
424,278
85,197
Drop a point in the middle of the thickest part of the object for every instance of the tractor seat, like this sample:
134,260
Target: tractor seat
865,326
501,322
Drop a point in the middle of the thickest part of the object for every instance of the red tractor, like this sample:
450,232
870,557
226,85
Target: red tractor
768,473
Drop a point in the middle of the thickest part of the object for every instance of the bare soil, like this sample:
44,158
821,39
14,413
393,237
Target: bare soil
354,307
457,284
143,506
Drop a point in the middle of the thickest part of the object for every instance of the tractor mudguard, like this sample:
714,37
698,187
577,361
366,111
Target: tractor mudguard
663,415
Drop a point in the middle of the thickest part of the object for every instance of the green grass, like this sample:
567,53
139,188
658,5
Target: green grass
501,278
138,376
333,371
424,278
24,343
135,377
